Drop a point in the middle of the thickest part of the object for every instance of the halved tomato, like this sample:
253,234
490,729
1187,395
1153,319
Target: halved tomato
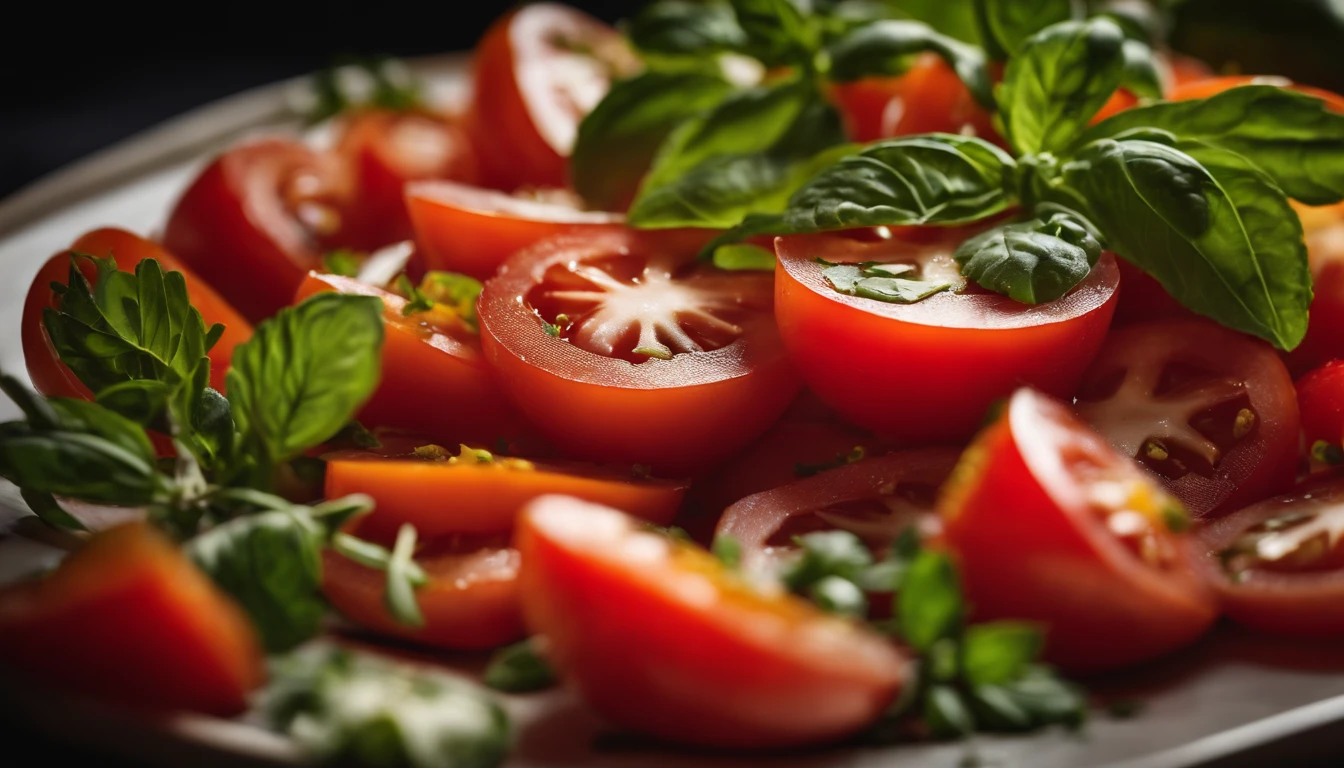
661,638
1211,412
928,98
434,380
537,72
1050,524
472,230
620,346
928,371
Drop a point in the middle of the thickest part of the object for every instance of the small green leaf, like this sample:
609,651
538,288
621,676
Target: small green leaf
778,32
727,549
399,596
1005,25
1032,261
374,556
883,283
744,256
519,668
946,713
455,291
1000,652
1141,75
885,48
677,28
929,606
833,594
343,262
45,506
826,553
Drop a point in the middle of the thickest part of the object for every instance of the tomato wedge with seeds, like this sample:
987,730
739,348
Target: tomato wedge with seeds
471,230
1050,524
659,637
928,371
621,346
1211,412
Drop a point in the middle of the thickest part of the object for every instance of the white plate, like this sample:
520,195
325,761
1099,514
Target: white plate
1231,693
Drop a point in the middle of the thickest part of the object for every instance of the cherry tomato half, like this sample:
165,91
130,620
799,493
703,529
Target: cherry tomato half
1052,525
661,638
1320,400
928,371
928,98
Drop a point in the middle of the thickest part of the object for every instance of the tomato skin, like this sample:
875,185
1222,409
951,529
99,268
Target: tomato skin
853,351
1212,86
473,231
128,619
1320,400
662,640
927,98
1030,550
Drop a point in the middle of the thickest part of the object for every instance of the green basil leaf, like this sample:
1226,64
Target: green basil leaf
996,709
1222,240
744,257
1031,261
957,19
929,606
884,48
946,713
728,549
1048,699
519,668
999,652
1063,77
343,262
1291,136
779,32
140,400
1141,76
826,553
49,511
843,597
1005,25
883,282
677,28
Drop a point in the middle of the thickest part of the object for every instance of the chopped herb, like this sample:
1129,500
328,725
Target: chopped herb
883,282
728,549
519,668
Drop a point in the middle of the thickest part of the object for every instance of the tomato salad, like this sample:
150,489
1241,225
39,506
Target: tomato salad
767,375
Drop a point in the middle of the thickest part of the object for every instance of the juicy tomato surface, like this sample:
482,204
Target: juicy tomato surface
944,359
435,380
661,638
1320,400
1211,412
128,619
460,228
1050,524
928,98
621,346
1323,227
537,72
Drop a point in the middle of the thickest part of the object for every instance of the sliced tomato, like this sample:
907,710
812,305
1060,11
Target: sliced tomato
128,619
651,356
659,637
253,222
434,380
928,371
1211,412
472,230
537,72
1323,227
1279,565
928,98
1050,524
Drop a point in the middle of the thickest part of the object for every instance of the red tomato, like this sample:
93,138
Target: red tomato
1320,400
1211,412
1142,298
537,72
434,380
945,359
617,302
928,98
50,376
1178,71
659,637
1050,524
473,230
251,224
128,619
1119,102
1204,88
1323,227
1279,565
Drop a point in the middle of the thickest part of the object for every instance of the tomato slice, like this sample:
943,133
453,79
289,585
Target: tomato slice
928,98
50,376
434,380
967,348
659,637
1279,565
1052,525
537,72
128,619
656,358
1320,400
1211,412
472,230
252,222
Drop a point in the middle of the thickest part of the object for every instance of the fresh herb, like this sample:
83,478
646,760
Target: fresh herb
454,291
825,554
892,283
519,668
738,257
343,262
1031,261
363,83
399,596
838,595
727,549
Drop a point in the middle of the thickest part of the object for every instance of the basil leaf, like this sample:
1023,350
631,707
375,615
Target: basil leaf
995,708
744,256
956,19
1047,698
677,28
843,597
883,48
49,511
1031,261
779,32
929,606
519,668
1221,240
1291,136
946,713
728,549
1005,25
826,553
1141,76
1063,77
883,282
1000,652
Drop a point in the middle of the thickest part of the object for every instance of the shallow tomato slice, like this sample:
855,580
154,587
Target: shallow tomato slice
472,230
620,346
470,603
1279,565
928,98
1049,524
659,637
1320,399
434,379
128,619
928,371
1212,412
251,223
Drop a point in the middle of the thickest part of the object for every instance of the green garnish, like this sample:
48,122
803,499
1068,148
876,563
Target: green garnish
363,83
519,668
343,262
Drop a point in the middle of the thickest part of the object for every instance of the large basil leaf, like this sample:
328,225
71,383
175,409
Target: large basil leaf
678,28
957,19
883,48
1141,76
1291,136
1064,75
1221,239
1005,25
779,32
1031,261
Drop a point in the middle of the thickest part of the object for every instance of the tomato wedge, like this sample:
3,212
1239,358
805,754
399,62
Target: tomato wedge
1212,412
129,620
657,636
1052,525
471,230
928,371
620,346
928,98
434,381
